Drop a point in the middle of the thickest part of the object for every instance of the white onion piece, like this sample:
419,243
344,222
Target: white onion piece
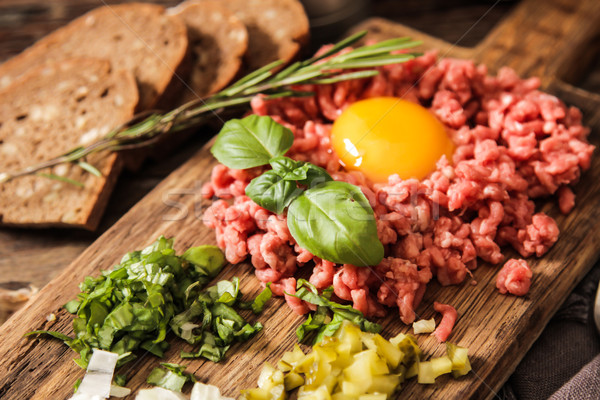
201,391
159,393
424,326
119,391
97,380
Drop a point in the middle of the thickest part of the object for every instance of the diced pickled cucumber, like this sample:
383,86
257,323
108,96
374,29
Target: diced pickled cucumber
353,388
412,371
292,380
290,358
270,381
429,370
342,396
408,345
460,359
384,384
354,365
255,394
351,334
358,373
377,365
463,371
388,351
372,397
320,393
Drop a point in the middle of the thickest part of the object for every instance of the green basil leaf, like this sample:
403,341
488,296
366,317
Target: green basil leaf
340,312
56,335
251,142
120,379
303,282
158,349
207,259
314,322
300,171
272,192
335,222
288,169
329,329
77,384
167,378
259,302
72,306
315,176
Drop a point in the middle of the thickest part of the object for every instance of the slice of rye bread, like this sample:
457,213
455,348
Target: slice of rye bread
138,37
47,112
277,29
218,40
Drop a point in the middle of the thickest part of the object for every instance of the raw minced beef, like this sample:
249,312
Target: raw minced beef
514,277
513,144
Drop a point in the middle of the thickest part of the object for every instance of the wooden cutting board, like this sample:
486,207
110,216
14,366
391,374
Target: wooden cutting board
552,39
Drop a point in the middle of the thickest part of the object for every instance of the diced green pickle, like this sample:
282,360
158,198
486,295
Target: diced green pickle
354,365
460,359
292,380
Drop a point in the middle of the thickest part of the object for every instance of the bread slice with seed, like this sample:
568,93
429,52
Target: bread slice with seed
47,112
138,37
217,40
277,29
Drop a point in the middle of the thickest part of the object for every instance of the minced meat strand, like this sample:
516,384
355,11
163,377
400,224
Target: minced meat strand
449,316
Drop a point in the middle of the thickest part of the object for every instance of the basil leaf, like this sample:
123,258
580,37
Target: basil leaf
131,306
120,379
172,378
303,172
341,312
315,176
288,169
56,335
72,306
272,192
330,328
303,282
208,260
251,142
314,322
259,302
335,222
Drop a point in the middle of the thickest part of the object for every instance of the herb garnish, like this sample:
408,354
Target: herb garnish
219,324
171,376
319,321
328,67
333,220
133,305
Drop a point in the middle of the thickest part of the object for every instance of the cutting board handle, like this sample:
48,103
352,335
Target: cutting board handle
552,39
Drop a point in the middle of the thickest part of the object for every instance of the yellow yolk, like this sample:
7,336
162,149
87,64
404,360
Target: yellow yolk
387,135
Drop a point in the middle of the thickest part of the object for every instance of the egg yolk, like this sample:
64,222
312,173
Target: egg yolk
386,135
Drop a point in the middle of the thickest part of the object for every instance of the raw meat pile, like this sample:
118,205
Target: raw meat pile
513,144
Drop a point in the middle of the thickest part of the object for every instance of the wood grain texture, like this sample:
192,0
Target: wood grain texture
498,329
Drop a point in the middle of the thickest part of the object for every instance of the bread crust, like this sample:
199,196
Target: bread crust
139,37
277,29
218,41
47,112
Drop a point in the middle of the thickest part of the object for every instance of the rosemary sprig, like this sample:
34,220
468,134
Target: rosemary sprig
326,68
